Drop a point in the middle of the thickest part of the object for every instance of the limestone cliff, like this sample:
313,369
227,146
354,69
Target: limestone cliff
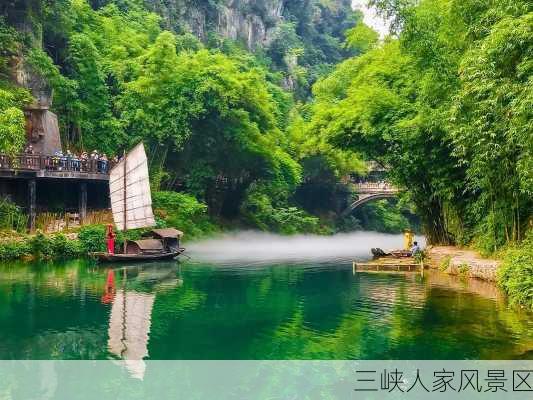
294,33
251,21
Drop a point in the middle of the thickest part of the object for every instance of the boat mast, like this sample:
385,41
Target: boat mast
124,193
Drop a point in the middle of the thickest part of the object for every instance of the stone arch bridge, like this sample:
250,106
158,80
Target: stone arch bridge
369,191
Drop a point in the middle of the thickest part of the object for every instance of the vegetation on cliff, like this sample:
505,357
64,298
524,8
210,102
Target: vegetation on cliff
216,119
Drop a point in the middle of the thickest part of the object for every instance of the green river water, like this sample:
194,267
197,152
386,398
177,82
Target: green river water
78,310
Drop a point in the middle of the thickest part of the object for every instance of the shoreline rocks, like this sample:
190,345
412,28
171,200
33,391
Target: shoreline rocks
456,261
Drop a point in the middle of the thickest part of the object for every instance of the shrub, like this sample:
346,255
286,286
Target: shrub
515,276
182,211
11,216
41,246
62,247
92,238
259,212
421,256
47,247
14,249
464,268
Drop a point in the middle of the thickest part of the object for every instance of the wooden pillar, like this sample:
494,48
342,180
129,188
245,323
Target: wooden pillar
83,201
32,203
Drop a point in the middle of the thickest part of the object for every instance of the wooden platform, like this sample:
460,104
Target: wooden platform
389,264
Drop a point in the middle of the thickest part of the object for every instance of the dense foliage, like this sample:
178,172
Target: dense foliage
12,216
310,43
446,105
12,99
516,274
12,121
382,216
184,211
216,119
41,246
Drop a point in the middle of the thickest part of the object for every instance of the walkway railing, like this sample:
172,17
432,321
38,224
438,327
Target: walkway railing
38,162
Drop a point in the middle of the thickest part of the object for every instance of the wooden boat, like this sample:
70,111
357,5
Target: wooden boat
379,253
131,205
106,257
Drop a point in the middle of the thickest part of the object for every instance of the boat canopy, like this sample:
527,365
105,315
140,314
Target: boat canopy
167,233
148,244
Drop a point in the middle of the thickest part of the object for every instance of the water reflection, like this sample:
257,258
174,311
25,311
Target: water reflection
131,311
79,310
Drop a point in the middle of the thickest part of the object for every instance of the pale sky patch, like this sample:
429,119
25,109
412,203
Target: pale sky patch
371,18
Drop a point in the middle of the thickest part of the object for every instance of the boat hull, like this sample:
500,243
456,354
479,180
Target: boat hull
106,257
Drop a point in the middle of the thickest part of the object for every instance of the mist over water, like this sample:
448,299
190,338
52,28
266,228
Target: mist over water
250,247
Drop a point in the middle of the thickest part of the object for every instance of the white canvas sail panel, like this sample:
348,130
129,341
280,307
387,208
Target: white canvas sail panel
134,191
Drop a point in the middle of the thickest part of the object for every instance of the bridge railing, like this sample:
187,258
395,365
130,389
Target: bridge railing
38,162
375,187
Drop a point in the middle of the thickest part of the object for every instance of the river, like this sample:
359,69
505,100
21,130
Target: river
255,296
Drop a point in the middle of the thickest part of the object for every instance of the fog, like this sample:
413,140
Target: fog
264,248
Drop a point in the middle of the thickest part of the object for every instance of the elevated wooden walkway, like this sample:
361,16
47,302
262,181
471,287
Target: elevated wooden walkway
49,166
77,172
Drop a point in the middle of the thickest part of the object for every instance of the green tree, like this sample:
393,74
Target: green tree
446,106
378,114
361,38
12,120
492,129
202,107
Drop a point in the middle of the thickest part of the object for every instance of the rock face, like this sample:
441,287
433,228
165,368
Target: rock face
251,21
42,131
26,76
42,128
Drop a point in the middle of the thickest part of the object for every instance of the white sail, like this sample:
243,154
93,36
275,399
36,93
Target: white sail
136,194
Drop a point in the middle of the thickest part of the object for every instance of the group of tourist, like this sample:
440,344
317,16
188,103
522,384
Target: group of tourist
84,161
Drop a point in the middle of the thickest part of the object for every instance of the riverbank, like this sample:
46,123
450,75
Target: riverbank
456,261
512,270
65,245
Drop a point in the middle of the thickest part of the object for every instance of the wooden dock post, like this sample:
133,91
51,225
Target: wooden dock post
32,203
83,202
353,267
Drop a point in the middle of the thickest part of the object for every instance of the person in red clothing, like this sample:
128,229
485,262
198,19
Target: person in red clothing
110,236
